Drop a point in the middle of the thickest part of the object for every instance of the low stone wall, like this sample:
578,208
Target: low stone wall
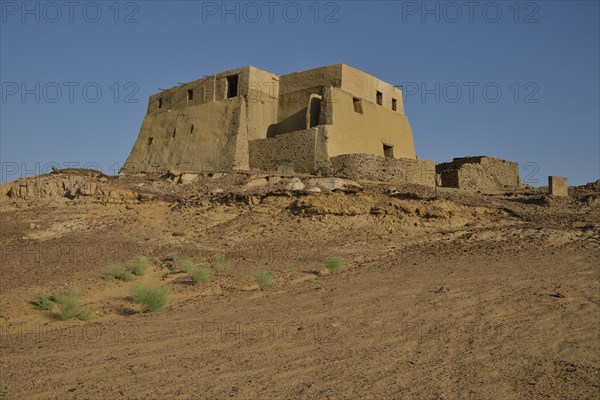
479,173
301,151
376,168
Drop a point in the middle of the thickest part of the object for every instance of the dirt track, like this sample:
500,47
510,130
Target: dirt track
464,296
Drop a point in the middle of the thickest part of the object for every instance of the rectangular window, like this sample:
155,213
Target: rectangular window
379,97
388,151
232,86
357,105
394,105
160,102
190,94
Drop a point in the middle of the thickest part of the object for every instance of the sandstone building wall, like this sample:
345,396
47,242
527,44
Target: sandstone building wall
479,173
214,122
370,167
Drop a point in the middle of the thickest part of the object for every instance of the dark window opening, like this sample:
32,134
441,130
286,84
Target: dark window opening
388,151
357,105
232,86
379,97
190,94
394,105
192,128
315,111
174,132
150,139
160,103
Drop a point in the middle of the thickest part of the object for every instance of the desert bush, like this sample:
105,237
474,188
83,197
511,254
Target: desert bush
150,297
69,306
335,265
197,273
138,265
200,275
61,296
117,271
264,279
221,264
174,257
43,302
187,265
289,265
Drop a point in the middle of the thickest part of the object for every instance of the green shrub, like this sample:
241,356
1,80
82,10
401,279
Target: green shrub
264,279
188,265
335,265
289,265
69,306
221,264
138,265
61,296
43,302
197,273
200,275
150,297
174,257
116,271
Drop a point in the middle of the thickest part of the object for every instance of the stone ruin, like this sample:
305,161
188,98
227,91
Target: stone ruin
330,121
478,173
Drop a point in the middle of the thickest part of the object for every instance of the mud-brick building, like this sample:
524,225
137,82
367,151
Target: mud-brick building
248,118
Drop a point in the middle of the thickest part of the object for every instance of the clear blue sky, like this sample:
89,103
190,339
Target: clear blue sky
542,55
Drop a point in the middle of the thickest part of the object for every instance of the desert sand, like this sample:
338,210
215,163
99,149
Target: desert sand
447,295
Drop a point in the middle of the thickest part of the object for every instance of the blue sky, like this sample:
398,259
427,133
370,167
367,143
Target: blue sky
514,80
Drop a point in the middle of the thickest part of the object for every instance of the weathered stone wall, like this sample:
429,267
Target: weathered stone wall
558,186
201,137
368,129
375,168
302,151
479,173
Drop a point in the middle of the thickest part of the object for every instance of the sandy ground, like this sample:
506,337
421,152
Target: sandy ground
459,296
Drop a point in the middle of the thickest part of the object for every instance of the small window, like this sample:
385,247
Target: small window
379,97
388,151
190,94
174,132
160,103
191,128
232,86
357,105
394,105
150,139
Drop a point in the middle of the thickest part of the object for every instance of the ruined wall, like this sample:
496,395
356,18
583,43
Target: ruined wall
302,151
370,167
200,137
369,130
479,173
262,101
366,86
295,90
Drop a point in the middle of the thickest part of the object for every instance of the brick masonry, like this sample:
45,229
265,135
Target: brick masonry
558,186
479,173
376,168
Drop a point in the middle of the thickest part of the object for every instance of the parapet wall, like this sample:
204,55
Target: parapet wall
301,151
376,168
479,173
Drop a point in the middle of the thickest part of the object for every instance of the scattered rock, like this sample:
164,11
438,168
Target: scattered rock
219,175
295,184
335,184
259,182
187,178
